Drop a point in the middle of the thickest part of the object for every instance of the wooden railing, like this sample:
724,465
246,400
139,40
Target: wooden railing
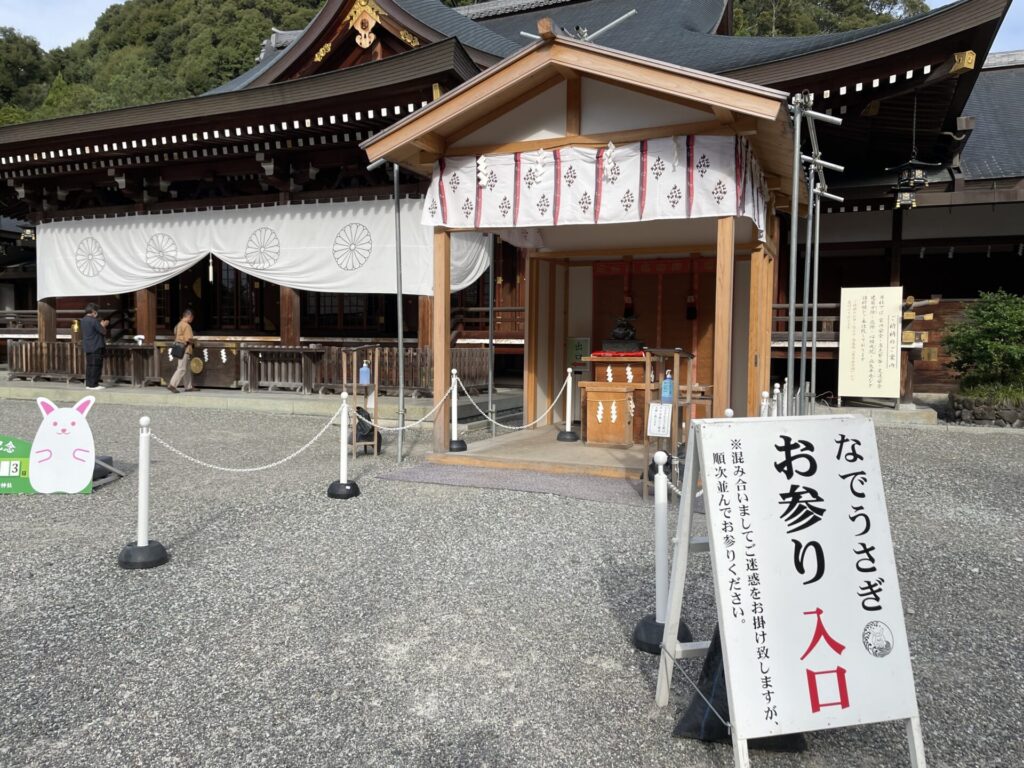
65,361
508,321
828,322
336,366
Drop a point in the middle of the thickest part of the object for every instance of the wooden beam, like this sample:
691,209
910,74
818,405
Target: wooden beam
441,334
745,126
759,332
573,106
551,273
46,311
530,353
430,143
724,269
145,313
426,309
725,116
290,317
652,250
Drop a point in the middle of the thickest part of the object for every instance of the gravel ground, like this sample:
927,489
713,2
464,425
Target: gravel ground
425,625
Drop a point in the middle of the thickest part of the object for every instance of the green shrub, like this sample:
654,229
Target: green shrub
987,346
1008,395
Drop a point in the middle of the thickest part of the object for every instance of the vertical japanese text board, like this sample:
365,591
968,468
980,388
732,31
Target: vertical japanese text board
806,588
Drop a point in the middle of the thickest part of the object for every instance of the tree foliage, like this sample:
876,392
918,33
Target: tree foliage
987,346
772,18
140,52
143,51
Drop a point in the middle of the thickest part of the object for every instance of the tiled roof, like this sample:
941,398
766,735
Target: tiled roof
492,8
653,32
994,149
449,22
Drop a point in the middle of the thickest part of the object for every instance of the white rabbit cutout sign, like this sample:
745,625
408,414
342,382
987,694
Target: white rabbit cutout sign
63,454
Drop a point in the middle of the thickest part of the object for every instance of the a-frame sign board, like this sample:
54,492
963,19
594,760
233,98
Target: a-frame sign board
808,599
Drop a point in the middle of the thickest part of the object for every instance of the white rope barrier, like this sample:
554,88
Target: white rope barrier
533,423
262,468
411,425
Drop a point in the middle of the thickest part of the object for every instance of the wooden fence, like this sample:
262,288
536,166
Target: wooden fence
336,365
65,361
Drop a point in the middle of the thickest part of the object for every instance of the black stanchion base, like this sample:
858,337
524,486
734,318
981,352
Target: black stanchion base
648,633
150,556
456,446
565,436
340,490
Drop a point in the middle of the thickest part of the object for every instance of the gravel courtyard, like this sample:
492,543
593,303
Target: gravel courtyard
426,625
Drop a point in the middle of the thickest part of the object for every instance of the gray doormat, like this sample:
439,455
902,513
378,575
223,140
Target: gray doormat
615,491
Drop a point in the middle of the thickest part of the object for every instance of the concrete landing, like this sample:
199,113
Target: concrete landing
505,400
539,451
890,416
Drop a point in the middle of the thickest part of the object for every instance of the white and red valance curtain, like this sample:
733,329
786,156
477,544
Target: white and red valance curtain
343,247
681,177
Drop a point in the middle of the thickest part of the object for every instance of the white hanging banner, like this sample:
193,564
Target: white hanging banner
345,247
680,177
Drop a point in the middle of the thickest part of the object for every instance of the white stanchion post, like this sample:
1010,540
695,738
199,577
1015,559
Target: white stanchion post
764,404
342,488
660,538
776,399
650,630
567,435
144,552
729,413
455,445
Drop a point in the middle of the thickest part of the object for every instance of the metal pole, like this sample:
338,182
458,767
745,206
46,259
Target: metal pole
401,321
814,304
490,347
142,531
801,407
660,538
794,209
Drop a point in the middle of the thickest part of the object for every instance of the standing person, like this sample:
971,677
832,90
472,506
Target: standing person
183,335
94,343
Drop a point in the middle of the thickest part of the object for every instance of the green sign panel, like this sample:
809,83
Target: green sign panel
14,456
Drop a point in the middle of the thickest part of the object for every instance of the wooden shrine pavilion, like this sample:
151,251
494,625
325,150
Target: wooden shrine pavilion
611,159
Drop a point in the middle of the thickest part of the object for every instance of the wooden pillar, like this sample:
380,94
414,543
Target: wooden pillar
440,332
47,314
896,249
530,339
426,314
290,317
725,258
145,313
759,336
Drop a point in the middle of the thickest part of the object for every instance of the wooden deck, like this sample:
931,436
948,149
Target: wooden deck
539,451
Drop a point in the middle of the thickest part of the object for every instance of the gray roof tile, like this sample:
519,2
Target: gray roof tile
653,32
449,22
994,149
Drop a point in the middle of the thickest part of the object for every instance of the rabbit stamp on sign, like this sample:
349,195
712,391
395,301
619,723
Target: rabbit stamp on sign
63,455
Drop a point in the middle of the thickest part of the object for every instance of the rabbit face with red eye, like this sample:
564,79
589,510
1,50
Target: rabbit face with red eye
63,455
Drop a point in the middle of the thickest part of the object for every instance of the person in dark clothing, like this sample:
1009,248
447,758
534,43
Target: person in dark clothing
94,343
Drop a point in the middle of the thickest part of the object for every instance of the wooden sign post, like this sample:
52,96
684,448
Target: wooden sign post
806,589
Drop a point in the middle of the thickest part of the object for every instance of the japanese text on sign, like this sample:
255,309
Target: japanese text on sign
869,342
805,578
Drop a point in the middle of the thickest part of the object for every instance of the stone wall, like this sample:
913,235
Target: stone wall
986,413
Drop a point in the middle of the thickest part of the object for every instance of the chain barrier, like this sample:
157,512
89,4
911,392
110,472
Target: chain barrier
278,463
416,423
533,423
675,460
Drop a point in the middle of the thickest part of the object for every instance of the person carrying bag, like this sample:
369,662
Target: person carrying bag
182,350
